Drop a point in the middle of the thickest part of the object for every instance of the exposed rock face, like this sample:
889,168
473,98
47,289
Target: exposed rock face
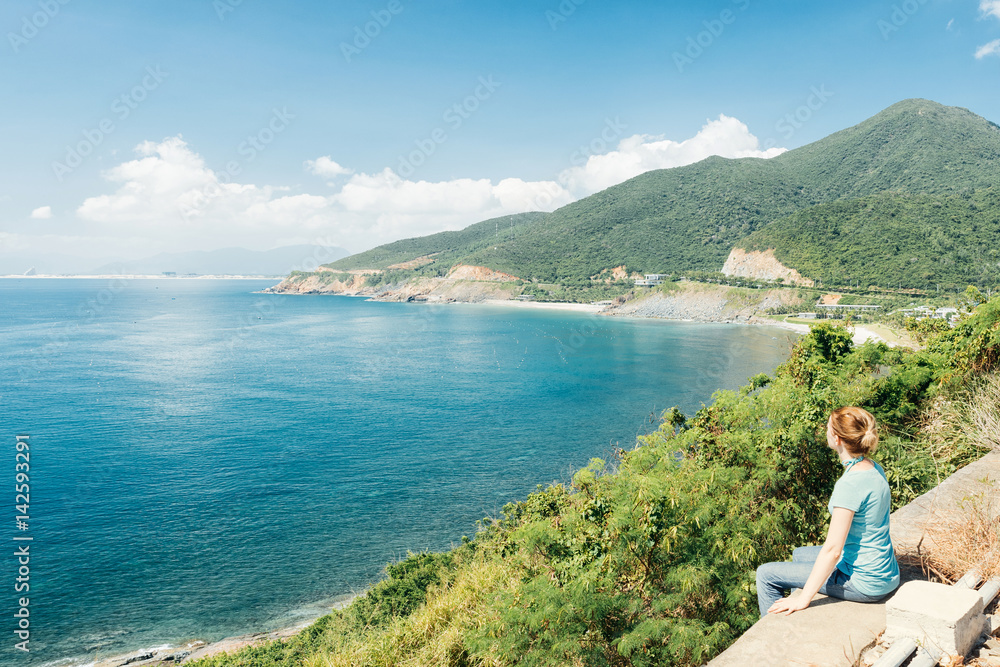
467,272
445,290
463,283
315,284
617,273
761,266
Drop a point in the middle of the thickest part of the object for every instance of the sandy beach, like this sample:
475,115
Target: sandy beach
549,305
861,334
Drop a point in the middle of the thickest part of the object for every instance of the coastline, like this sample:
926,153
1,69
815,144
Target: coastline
688,307
549,305
185,652
861,334
194,650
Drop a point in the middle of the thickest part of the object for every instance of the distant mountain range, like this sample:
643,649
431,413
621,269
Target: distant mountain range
904,198
225,261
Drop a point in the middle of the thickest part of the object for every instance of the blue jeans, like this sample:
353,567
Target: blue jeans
774,578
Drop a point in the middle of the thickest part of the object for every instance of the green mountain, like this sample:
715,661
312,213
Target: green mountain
443,247
690,218
892,239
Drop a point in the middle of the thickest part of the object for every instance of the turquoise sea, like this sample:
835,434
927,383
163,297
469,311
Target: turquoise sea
207,461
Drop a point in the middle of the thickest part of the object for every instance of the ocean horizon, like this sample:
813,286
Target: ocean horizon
208,461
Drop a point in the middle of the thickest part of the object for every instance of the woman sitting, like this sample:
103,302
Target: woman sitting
857,561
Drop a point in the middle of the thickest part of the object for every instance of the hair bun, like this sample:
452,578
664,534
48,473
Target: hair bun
857,428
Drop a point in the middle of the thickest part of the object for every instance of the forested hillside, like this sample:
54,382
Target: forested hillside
689,218
443,248
892,239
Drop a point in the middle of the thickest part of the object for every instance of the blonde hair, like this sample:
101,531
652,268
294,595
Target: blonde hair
857,428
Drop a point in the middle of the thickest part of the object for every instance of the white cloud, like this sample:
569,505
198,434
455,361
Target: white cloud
726,137
42,213
992,48
326,167
990,7
168,198
168,194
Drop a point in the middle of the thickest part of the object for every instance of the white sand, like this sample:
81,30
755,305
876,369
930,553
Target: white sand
861,334
551,305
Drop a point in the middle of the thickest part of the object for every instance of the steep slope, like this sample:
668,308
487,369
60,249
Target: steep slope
440,248
913,146
891,240
689,218
674,219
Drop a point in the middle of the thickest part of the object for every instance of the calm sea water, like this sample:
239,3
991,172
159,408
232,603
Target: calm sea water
207,461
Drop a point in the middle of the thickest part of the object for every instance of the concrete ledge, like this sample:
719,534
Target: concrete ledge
945,617
828,633
835,632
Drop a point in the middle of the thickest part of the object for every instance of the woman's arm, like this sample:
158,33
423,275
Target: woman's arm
829,556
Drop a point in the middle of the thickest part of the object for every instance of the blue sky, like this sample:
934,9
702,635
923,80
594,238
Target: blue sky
213,123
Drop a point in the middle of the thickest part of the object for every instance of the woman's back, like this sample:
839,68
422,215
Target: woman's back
868,557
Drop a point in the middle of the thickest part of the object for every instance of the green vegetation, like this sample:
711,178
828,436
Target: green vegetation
689,218
579,294
892,240
649,559
446,248
902,199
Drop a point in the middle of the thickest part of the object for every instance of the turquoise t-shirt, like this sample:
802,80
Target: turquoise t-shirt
868,558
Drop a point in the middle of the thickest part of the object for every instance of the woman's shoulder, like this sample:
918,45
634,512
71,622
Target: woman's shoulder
866,466
865,478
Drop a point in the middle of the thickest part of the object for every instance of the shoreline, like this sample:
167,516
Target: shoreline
548,305
861,334
166,654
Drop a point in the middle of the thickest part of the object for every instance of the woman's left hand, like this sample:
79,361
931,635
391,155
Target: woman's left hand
789,605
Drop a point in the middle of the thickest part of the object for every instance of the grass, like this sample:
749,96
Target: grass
970,542
982,425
